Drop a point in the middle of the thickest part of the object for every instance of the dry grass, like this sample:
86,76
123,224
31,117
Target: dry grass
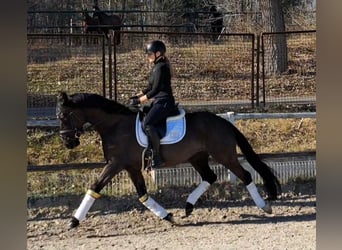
280,135
201,72
45,148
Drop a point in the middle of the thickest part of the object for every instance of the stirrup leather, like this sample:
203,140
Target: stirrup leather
146,159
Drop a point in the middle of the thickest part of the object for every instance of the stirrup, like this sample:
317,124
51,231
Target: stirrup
147,160
157,162
147,154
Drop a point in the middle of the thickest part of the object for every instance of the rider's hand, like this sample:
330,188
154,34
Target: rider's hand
134,100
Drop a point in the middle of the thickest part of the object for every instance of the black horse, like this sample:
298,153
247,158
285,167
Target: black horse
206,135
109,22
90,24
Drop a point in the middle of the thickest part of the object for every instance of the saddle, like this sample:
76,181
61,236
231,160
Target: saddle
175,132
175,129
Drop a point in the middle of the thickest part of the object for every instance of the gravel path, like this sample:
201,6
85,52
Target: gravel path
213,225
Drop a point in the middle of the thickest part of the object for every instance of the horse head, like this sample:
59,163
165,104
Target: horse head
71,120
89,23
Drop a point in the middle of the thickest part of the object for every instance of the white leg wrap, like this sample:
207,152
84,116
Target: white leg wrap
201,188
83,209
155,208
252,189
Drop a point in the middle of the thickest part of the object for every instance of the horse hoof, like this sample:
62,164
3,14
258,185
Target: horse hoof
169,218
267,208
188,209
73,223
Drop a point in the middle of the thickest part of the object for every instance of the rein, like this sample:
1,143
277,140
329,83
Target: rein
94,102
97,123
77,131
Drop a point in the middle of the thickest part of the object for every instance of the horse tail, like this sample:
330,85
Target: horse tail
271,182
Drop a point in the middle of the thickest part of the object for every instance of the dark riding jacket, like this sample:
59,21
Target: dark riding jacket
163,104
159,86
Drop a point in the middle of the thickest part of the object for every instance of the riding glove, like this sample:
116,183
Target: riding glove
134,100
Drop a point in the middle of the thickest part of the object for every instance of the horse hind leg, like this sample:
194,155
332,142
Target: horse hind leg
200,163
232,163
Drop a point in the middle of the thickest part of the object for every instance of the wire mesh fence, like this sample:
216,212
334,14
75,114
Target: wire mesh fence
213,72
206,70
289,69
57,17
70,182
61,62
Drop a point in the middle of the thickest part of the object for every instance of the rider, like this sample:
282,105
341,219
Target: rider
159,92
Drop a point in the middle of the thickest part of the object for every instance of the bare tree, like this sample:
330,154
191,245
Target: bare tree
275,45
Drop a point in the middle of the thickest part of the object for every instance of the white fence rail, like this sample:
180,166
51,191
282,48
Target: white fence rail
285,168
231,116
60,181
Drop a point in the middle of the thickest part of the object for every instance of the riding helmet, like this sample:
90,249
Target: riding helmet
155,46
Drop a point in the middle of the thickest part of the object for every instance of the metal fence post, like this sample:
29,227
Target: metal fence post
231,119
258,71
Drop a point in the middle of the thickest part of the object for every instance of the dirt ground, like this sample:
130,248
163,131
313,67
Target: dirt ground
214,224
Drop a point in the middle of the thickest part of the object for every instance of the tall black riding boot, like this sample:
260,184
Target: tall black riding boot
154,140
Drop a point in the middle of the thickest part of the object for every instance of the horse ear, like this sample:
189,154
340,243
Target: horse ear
62,97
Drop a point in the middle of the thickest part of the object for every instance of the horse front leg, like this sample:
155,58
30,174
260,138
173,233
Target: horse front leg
139,183
109,171
200,163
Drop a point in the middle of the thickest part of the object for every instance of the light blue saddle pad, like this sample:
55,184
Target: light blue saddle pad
175,130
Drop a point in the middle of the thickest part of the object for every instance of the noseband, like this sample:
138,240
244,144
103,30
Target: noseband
73,130
77,132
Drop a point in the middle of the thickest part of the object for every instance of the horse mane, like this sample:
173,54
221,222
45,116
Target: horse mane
99,12
91,100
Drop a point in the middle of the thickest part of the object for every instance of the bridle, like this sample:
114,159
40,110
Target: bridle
73,130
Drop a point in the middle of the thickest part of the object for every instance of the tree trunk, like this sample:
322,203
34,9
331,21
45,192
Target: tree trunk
275,46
